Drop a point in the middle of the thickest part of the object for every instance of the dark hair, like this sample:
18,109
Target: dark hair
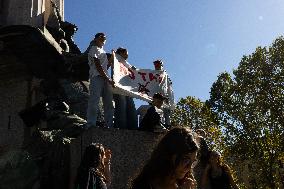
220,162
108,55
93,159
99,35
120,50
159,96
179,142
217,154
158,62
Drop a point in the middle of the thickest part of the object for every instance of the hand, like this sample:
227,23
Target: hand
188,183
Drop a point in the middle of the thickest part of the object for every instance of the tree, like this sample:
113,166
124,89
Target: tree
193,113
250,106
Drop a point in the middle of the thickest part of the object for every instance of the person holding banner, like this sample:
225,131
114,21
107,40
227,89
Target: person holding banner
100,83
167,108
125,112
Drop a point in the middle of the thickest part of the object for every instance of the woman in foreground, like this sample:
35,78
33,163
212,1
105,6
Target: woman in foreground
170,164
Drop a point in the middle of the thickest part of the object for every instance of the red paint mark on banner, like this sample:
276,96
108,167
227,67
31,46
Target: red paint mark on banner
142,75
152,77
123,69
131,74
160,78
126,71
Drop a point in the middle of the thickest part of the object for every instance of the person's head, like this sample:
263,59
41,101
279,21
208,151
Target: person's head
100,39
215,158
94,157
158,64
172,158
122,52
158,100
201,132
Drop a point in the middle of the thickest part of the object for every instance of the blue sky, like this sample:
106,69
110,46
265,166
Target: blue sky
197,40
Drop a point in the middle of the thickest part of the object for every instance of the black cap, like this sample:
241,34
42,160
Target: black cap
159,96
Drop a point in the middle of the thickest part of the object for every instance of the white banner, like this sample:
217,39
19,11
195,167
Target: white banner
141,83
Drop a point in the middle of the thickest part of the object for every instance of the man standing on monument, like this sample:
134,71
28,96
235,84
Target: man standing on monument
100,83
125,112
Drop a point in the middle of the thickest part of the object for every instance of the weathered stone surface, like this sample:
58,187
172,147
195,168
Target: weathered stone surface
77,95
26,12
12,100
50,151
31,51
17,170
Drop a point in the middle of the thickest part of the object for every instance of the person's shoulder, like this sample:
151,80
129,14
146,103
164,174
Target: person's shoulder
95,49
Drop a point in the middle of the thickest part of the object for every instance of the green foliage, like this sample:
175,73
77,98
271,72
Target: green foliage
250,108
193,113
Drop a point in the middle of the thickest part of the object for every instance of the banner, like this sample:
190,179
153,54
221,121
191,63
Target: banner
141,83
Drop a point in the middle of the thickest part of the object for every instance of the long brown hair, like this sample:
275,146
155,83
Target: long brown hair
220,162
93,159
177,142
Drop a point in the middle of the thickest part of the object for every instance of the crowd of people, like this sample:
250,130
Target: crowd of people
154,118
171,166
